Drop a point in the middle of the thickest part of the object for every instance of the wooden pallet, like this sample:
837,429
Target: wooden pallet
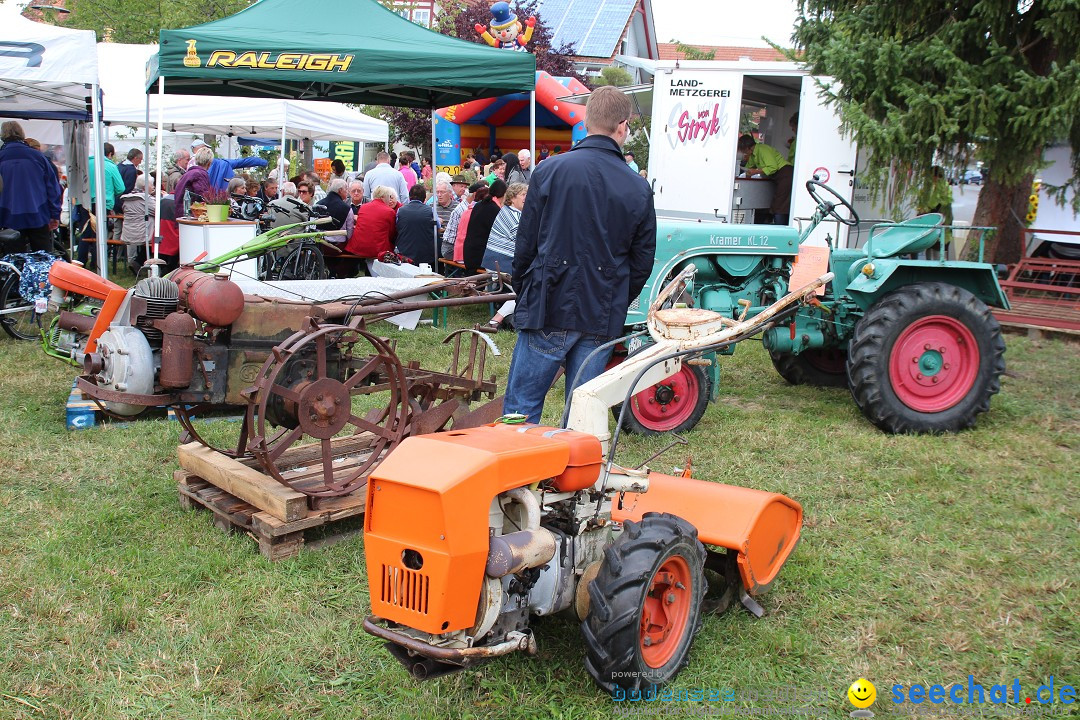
244,499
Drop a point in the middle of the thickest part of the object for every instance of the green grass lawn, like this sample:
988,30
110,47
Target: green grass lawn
923,560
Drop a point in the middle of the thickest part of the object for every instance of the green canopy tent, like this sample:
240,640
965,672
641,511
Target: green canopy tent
353,51
341,50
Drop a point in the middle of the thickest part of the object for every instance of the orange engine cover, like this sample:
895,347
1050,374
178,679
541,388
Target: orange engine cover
79,280
426,524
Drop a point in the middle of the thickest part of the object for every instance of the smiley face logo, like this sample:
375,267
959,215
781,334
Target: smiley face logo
862,693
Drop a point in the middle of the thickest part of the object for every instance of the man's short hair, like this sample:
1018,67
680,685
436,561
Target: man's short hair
288,189
443,184
605,109
109,150
336,185
383,156
12,131
524,152
418,192
134,153
204,156
356,184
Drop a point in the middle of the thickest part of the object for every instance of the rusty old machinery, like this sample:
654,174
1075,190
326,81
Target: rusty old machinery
304,373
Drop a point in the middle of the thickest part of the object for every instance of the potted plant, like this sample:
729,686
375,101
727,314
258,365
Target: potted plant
217,205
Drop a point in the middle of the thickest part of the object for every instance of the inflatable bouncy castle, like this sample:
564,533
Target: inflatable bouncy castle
503,122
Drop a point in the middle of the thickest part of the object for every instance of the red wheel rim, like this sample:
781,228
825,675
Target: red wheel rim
667,404
934,364
665,612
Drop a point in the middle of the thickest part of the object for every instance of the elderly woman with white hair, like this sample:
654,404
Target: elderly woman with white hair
375,227
137,219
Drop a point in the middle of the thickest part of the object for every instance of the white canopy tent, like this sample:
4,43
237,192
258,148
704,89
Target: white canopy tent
47,72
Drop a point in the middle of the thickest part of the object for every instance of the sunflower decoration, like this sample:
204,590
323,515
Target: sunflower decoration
1033,203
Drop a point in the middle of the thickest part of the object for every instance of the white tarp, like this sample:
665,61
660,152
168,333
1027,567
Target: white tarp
45,70
123,79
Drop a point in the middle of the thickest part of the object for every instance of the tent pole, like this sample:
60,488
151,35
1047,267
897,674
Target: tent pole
434,210
146,175
532,128
160,174
99,180
281,156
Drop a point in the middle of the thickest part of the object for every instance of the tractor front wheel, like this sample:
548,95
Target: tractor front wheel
826,367
675,404
645,604
926,359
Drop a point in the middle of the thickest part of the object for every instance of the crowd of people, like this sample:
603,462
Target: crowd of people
577,251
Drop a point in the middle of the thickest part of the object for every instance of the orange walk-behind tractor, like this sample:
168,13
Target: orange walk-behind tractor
470,533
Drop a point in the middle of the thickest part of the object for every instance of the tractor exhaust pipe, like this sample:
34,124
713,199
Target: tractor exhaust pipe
510,554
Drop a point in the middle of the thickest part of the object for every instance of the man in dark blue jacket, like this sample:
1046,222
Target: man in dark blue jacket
584,250
30,200
416,228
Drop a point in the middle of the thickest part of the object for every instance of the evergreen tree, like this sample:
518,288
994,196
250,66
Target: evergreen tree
924,82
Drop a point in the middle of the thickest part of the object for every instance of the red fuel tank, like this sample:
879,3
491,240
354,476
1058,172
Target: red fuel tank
214,299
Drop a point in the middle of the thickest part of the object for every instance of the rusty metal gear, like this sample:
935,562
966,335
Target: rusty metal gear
313,388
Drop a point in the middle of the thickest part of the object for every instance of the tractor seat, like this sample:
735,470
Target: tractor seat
906,238
689,323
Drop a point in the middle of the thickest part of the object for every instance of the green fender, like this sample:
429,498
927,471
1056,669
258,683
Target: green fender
891,273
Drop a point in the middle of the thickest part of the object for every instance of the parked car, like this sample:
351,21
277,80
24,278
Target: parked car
971,176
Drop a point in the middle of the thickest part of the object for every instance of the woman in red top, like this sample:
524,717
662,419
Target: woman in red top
375,229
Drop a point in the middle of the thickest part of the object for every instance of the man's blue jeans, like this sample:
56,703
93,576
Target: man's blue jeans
537,358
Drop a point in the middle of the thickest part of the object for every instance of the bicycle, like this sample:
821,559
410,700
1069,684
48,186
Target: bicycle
20,318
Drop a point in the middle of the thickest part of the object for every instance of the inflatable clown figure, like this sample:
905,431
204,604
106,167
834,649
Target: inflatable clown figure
505,29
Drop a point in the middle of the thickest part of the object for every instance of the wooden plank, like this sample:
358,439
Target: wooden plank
244,482
346,507
305,454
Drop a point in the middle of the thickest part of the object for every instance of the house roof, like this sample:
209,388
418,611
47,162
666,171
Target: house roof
594,31
669,51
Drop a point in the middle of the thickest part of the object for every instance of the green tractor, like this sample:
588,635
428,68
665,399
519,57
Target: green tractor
914,340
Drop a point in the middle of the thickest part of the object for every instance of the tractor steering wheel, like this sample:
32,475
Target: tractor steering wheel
828,207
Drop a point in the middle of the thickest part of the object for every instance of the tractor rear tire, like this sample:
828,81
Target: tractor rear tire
926,358
672,405
825,367
645,604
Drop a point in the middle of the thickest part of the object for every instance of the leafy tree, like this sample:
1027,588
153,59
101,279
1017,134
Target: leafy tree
613,75
692,53
138,21
923,82
413,127
638,141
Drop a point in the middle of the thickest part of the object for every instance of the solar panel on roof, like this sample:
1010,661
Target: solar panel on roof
594,27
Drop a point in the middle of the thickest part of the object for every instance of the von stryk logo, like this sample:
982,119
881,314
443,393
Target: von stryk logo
697,126
32,52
